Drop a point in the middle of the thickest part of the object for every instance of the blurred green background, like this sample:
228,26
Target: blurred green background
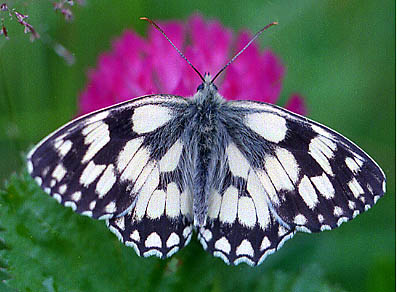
340,55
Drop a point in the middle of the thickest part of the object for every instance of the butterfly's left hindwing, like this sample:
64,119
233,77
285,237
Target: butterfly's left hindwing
98,163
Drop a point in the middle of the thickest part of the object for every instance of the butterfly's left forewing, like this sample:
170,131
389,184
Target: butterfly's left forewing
98,163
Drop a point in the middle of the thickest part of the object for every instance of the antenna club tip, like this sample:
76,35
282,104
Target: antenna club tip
275,22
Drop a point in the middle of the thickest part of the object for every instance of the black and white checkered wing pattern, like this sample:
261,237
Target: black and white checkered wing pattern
314,178
241,226
160,220
286,174
99,163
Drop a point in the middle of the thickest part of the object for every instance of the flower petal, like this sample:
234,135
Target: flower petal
296,104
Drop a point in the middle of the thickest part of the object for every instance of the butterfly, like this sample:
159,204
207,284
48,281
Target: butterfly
244,175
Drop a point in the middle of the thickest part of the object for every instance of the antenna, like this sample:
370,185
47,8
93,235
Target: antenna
180,53
191,65
243,49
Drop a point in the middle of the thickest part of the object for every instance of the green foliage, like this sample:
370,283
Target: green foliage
50,248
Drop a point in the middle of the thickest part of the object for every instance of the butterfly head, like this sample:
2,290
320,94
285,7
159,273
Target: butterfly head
207,85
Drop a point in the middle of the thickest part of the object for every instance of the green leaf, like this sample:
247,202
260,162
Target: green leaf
47,247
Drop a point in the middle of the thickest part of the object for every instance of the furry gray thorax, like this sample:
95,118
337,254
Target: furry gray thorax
205,141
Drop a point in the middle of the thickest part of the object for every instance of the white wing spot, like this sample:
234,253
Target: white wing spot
355,187
62,189
147,190
153,240
300,219
45,171
148,118
341,220
321,131
57,197
325,227
282,231
110,208
258,195
128,152
30,166
135,235
172,205
245,248
367,207
136,165
246,212
106,181
289,163
187,232
238,164
156,204
144,175
338,211
214,205
265,182
223,245
308,193
59,172
207,234
153,252
277,174
270,126
71,205
97,117
324,186
53,182
228,210
265,243
76,196
170,160
352,165
172,251
172,240
90,173
358,159
97,139
92,205
186,203
320,152
87,213
64,148
352,205
320,218
221,256
38,180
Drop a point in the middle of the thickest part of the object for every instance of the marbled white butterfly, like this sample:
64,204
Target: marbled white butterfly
245,175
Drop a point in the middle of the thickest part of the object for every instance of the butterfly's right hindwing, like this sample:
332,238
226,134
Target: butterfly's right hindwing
98,163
